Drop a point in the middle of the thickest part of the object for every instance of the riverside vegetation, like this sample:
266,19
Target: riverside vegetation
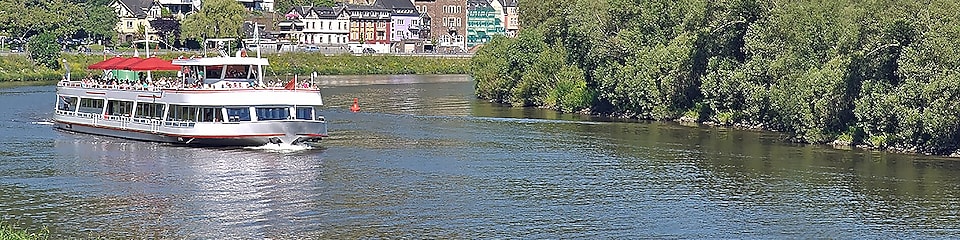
876,74
21,68
7,232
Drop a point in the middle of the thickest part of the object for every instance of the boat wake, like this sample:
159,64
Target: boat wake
42,123
283,147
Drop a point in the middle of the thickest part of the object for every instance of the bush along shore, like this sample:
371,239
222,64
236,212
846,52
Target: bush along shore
21,68
878,75
7,231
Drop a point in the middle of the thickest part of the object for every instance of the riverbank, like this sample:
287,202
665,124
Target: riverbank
19,68
26,83
885,82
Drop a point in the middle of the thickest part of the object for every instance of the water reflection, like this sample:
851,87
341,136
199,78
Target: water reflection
195,191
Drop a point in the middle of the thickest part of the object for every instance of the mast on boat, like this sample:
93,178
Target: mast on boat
256,35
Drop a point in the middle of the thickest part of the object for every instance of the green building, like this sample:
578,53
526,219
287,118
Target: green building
483,22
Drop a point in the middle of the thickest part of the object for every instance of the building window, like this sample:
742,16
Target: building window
129,24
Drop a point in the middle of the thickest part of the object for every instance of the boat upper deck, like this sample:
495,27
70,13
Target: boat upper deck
163,84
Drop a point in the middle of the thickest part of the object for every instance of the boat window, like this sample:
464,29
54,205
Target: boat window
210,114
238,114
120,108
305,113
193,73
91,105
237,71
67,103
213,72
272,113
182,113
149,110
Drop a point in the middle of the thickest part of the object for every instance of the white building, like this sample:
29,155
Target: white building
317,25
182,7
326,25
257,5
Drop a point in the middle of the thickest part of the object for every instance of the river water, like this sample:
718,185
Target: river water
425,159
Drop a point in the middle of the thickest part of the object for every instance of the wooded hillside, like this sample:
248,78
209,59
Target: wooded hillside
883,74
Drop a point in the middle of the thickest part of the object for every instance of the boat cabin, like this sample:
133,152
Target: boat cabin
223,72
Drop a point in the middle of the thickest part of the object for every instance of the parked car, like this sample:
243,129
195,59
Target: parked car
369,50
311,49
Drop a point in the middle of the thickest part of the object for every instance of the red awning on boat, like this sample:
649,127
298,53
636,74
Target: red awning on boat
153,64
103,63
121,65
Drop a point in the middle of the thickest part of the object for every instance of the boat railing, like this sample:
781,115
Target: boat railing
127,87
179,124
125,120
181,87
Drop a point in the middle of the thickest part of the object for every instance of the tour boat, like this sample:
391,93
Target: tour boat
214,101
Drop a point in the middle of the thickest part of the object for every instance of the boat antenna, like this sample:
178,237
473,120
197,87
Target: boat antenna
256,35
66,66
146,47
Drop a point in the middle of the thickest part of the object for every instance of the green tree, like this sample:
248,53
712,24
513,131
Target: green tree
882,73
215,19
21,19
44,50
100,22
491,71
24,18
283,6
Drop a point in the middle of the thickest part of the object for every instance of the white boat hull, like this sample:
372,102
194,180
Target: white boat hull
207,134
218,133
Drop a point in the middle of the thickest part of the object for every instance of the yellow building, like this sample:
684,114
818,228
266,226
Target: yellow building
135,17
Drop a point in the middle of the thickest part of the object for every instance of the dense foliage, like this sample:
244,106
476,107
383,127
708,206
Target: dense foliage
283,6
881,74
167,28
22,19
215,19
44,26
8,232
44,50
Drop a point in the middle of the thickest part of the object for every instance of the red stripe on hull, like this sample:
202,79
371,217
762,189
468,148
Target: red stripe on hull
234,90
193,136
227,136
177,135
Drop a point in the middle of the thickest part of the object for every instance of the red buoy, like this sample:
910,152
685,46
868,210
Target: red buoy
356,105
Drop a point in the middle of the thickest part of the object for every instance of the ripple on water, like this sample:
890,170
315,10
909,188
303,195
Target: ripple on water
426,160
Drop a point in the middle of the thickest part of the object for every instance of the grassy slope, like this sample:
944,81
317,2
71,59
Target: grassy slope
20,68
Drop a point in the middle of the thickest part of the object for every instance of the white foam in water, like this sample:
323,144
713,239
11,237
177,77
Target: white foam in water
283,147
42,123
